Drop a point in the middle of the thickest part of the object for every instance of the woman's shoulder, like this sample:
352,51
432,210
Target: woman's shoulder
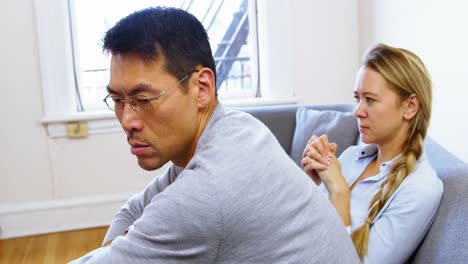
423,181
423,175
419,193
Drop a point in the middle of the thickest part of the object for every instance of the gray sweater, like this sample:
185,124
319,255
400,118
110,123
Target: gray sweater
241,199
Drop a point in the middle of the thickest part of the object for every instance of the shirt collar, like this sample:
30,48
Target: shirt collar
367,151
385,166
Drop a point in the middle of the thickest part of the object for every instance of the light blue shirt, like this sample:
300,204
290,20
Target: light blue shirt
404,220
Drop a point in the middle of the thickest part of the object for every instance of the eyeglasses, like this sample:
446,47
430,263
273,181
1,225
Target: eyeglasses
138,104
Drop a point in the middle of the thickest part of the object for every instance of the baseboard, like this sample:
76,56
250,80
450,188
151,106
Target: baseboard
33,218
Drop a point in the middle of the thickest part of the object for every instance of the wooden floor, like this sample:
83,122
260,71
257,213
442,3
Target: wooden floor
51,248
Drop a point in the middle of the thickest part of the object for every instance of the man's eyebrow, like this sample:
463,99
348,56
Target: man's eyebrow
139,88
110,90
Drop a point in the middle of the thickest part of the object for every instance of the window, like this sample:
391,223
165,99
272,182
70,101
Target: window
231,27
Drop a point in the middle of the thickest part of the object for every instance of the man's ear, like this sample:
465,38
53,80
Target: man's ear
206,87
411,105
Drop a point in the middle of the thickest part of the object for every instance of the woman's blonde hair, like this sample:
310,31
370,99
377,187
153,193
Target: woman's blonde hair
407,75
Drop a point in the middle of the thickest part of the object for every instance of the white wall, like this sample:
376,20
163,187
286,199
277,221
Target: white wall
324,51
310,46
436,31
25,167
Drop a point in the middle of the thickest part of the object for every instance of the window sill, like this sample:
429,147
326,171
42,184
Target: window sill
102,122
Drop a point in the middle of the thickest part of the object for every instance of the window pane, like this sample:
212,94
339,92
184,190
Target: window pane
227,23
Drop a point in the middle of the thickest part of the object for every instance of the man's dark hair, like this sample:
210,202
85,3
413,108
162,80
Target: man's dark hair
171,32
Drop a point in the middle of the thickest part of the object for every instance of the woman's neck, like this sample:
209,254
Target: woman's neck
389,151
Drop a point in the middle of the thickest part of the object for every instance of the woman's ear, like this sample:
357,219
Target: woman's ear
411,107
206,87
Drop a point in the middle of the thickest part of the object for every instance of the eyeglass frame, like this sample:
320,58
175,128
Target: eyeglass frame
133,102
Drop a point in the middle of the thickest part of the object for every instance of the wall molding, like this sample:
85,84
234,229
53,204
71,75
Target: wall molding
34,218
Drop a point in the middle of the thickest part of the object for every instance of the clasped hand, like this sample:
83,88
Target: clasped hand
321,165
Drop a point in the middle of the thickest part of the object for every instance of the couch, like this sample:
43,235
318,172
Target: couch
447,238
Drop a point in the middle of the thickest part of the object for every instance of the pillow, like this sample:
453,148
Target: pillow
340,127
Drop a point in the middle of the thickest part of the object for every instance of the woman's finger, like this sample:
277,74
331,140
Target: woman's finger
312,138
326,145
314,154
333,147
309,165
318,145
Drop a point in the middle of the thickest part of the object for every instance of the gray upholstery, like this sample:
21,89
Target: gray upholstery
340,127
446,241
281,119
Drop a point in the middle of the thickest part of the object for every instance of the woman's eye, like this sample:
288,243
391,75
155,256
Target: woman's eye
356,98
118,100
370,100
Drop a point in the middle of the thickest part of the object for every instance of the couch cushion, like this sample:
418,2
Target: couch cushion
280,119
341,128
446,240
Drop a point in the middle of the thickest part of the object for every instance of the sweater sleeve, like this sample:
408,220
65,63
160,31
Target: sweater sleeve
134,207
183,224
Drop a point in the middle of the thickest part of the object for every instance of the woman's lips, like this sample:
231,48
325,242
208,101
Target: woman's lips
363,128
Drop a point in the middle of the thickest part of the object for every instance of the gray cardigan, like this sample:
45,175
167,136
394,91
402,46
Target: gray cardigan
240,199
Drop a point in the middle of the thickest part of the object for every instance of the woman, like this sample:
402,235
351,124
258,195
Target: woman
386,192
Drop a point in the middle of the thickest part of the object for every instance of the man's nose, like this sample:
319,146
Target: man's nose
130,119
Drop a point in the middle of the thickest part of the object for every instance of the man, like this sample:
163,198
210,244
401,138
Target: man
232,194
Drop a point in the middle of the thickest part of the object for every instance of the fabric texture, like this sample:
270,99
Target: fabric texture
239,200
340,127
446,240
410,210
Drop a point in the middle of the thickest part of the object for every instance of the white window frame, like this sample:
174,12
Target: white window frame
58,80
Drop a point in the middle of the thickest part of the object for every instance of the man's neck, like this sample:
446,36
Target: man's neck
203,119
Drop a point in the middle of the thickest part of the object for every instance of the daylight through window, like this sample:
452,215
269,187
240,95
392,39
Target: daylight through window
231,29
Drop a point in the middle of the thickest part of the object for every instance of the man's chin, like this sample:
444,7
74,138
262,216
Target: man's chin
150,164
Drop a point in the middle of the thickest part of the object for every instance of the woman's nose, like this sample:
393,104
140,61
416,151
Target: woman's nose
359,111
